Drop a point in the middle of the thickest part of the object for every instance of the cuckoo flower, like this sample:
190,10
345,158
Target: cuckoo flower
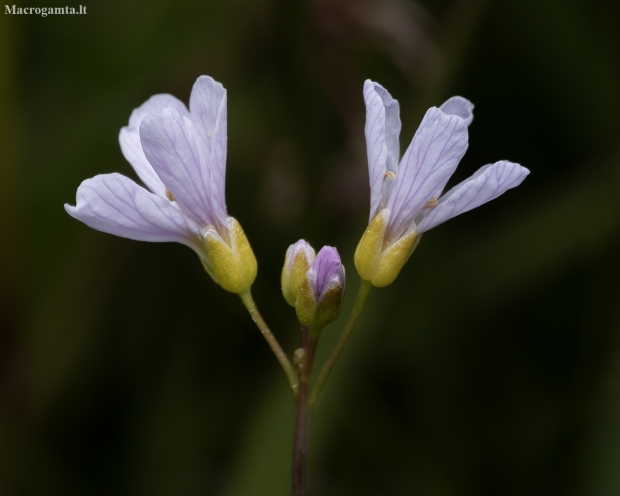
180,155
405,196
320,297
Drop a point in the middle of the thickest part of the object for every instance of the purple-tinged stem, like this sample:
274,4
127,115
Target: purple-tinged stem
302,413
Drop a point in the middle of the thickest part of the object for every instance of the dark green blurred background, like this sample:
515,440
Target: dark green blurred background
490,367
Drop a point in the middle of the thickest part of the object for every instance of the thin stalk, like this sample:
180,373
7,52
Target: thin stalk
289,371
309,339
360,301
300,441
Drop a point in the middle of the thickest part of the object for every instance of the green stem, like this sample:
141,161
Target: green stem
360,301
289,371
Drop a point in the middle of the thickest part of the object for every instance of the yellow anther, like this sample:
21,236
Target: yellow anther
432,203
390,174
169,195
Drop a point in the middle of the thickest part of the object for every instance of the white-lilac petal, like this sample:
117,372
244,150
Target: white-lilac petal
178,154
376,147
207,100
129,139
208,109
392,135
115,204
434,153
391,128
218,160
326,272
486,184
457,105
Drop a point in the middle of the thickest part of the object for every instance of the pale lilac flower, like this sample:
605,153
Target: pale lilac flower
320,298
406,196
180,155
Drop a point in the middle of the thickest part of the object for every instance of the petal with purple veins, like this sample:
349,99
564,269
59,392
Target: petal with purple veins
129,139
218,161
178,154
462,107
376,147
208,109
434,153
205,103
392,134
486,184
392,126
115,204
326,271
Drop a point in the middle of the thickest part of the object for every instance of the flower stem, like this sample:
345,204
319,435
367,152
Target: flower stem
289,371
309,340
360,300
300,441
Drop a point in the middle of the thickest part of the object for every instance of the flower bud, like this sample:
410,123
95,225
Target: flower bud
320,297
376,262
296,263
231,265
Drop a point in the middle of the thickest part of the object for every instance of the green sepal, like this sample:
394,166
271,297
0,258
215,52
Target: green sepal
292,280
376,263
232,267
369,248
392,260
318,315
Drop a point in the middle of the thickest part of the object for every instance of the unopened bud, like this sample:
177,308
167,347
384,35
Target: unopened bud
297,261
320,297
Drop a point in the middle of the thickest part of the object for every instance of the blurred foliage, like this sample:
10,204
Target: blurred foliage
491,366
